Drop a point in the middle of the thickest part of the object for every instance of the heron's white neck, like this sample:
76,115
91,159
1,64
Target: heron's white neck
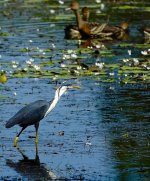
54,102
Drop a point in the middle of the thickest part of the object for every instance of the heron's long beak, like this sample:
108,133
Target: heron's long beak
74,86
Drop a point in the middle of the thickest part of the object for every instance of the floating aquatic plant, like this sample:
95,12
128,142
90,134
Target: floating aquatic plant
5,34
3,77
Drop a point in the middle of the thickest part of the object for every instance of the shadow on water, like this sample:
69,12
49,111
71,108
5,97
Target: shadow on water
31,168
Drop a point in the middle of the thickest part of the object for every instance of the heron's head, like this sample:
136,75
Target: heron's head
62,89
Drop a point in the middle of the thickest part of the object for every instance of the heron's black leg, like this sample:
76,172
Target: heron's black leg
36,128
17,137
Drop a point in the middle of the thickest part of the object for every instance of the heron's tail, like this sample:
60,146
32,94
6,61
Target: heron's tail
10,124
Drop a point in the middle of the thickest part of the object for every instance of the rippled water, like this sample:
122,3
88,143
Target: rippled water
100,132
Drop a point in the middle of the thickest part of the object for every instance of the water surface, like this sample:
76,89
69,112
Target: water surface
100,132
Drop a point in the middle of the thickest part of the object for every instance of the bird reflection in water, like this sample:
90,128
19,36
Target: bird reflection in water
31,168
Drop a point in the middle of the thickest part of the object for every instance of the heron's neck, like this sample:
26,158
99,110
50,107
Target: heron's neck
57,96
53,103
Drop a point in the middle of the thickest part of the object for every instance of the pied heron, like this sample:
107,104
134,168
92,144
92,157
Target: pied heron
36,111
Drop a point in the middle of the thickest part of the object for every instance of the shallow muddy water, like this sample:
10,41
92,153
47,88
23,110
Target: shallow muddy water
99,132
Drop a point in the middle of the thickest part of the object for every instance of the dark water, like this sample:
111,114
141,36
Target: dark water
100,132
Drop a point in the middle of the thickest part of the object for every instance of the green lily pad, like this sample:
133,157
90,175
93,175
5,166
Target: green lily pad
3,98
4,34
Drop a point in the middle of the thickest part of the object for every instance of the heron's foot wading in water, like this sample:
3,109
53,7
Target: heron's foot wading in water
15,141
36,139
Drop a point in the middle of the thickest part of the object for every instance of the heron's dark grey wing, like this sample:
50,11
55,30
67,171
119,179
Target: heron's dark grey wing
30,114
